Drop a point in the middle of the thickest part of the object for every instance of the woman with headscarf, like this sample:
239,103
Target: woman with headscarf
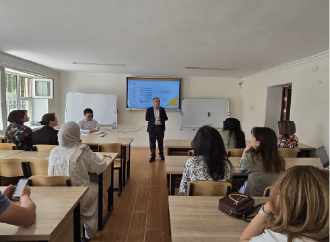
74,159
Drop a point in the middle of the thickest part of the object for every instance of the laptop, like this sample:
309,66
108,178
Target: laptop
321,152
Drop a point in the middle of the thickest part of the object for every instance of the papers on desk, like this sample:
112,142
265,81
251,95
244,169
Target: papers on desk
95,133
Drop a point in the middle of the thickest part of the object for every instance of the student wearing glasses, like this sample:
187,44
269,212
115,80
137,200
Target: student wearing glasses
87,124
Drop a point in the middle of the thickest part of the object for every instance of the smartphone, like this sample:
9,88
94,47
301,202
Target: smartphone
21,183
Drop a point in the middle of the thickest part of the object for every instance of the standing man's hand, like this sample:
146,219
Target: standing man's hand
158,119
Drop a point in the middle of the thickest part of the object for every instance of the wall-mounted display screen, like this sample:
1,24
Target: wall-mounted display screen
142,91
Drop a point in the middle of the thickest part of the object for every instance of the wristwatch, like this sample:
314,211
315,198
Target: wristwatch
263,214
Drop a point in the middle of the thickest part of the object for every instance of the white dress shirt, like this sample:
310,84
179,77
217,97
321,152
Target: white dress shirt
85,125
156,113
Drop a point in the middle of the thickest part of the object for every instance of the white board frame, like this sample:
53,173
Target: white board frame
115,124
182,125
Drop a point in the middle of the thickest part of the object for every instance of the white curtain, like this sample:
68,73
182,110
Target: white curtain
42,88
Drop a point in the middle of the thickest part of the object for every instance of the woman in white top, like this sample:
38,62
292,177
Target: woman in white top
76,160
298,208
210,161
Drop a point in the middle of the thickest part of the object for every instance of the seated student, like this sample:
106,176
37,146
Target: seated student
298,208
17,132
261,161
74,159
47,135
23,214
210,161
87,124
286,138
232,134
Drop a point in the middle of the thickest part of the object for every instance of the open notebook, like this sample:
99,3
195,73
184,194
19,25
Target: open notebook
95,133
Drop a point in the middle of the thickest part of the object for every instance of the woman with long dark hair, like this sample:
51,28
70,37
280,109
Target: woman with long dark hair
210,161
17,132
261,161
286,138
232,134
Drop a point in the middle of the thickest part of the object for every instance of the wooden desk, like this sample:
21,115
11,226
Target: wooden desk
105,181
174,166
199,219
181,147
9,153
108,137
31,154
58,216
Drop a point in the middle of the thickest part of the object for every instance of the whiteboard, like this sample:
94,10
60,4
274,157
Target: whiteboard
104,107
197,112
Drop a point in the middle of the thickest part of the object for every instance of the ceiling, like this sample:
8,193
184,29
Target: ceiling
161,37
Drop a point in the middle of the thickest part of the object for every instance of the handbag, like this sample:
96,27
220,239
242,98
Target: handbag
238,205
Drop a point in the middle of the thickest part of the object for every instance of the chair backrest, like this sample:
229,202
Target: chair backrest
190,152
208,188
44,147
7,146
37,167
12,167
235,152
267,191
111,147
50,181
287,152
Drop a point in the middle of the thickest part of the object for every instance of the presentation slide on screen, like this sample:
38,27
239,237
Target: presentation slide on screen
140,93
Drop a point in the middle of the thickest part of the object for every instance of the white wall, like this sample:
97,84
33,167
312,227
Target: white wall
192,87
309,103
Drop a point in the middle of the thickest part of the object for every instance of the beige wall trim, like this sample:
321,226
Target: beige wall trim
323,54
19,64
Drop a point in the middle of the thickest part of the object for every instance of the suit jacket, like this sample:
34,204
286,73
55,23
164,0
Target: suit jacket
45,136
150,117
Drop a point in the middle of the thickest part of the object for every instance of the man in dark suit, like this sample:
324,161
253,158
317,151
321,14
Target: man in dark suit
156,117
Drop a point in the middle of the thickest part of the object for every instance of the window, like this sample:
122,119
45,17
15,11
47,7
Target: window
42,88
19,95
11,92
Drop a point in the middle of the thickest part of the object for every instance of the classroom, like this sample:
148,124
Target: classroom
152,120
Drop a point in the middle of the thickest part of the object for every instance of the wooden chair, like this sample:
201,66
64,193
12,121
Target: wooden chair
267,191
118,163
7,146
190,152
287,152
14,168
50,181
36,167
235,152
208,188
44,147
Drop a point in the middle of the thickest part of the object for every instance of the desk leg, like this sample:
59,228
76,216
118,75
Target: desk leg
110,192
129,162
172,190
124,165
76,223
100,203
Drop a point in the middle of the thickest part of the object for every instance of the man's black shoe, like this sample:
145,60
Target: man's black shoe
152,159
162,157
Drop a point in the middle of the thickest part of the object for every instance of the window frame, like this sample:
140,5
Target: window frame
18,96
